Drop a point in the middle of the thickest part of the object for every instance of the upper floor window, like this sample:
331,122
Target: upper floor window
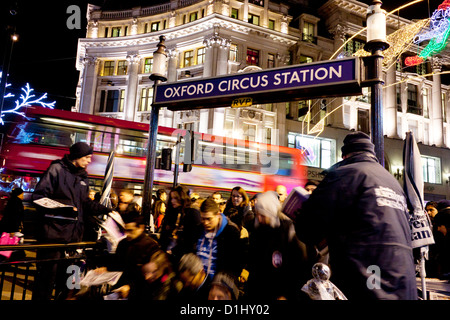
122,67
319,152
308,32
305,59
353,45
146,99
413,105
426,112
444,110
234,13
148,65
233,53
188,58
155,26
108,68
201,55
253,19
116,32
112,100
193,16
257,2
271,24
270,60
252,57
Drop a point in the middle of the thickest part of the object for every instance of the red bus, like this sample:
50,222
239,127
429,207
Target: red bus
30,144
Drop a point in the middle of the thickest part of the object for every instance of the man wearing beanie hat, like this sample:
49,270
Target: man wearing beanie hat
359,210
277,259
65,181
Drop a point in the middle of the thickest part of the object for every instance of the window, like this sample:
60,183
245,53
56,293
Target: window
155,26
426,113
122,67
188,58
399,97
112,100
252,57
308,32
106,32
257,2
363,120
303,107
116,32
431,169
268,135
249,131
146,99
305,59
193,16
319,152
413,106
108,68
253,19
353,45
201,55
233,53
234,13
148,65
271,24
270,60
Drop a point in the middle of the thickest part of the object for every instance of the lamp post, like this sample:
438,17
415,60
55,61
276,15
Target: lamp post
158,76
12,37
376,43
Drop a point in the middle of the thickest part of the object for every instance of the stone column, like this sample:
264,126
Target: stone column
89,84
390,111
172,65
132,87
436,105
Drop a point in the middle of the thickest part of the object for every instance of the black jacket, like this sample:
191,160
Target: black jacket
360,209
12,216
67,184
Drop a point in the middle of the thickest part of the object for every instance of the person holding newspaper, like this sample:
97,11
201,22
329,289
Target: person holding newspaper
62,198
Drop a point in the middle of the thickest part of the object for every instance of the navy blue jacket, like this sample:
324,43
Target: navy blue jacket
360,210
67,184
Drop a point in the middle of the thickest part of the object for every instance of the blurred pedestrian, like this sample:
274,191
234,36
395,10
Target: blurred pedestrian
217,196
276,259
180,225
161,282
282,193
442,243
65,181
311,185
127,203
159,213
223,287
431,209
239,201
196,284
359,210
218,243
13,214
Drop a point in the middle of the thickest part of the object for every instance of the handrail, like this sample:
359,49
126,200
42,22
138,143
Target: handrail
47,245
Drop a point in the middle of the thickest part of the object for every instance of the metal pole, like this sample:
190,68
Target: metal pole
376,111
177,161
5,69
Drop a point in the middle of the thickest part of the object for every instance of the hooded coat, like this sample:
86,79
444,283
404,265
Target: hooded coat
360,210
68,184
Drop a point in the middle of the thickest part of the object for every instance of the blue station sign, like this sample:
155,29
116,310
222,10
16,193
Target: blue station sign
314,80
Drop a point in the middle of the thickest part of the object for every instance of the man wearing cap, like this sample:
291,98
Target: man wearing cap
360,211
65,181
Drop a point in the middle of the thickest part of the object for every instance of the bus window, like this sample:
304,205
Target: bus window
43,134
132,146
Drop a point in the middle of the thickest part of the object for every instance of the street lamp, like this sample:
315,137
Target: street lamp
376,43
158,76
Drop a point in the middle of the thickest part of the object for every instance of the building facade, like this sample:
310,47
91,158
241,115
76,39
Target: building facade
207,38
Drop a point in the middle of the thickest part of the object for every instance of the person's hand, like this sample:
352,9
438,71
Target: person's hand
124,291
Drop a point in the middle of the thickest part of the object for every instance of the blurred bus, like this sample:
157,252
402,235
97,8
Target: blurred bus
31,143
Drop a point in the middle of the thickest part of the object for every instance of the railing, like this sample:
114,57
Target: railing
17,273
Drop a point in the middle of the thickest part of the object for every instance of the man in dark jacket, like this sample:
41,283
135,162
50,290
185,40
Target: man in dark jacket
65,181
360,211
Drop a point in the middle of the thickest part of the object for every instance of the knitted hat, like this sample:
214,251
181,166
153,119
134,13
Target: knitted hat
80,150
357,141
442,204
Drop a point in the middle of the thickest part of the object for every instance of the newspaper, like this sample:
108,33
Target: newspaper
51,204
94,278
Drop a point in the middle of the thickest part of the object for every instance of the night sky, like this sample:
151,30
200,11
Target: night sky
45,54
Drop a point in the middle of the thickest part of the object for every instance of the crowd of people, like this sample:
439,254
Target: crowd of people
238,247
